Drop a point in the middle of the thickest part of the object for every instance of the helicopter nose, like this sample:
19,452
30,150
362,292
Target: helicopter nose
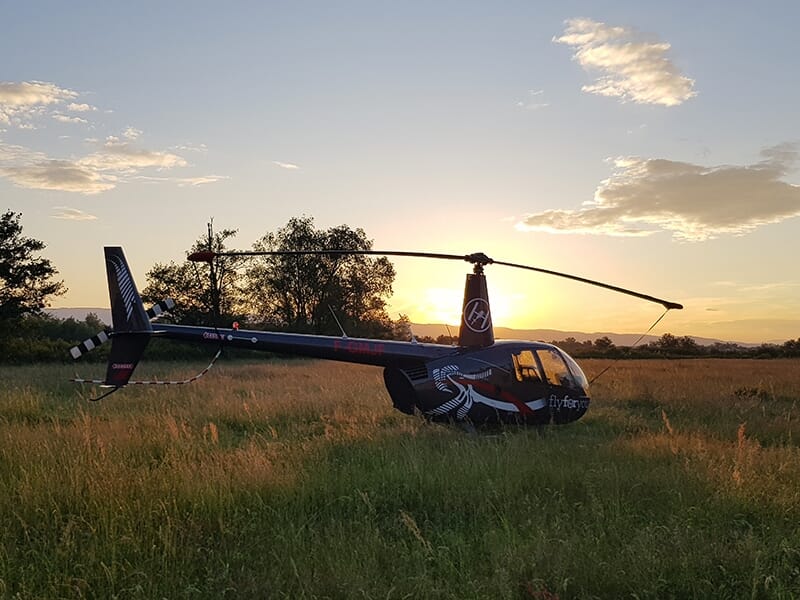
568,408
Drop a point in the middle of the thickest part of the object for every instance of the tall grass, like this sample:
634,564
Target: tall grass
298,480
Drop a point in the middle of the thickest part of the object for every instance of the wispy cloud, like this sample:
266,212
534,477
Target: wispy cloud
68,119
285,165
693,202
533,101
204,180
186,181
80,107
114,162
62,175
122,156
72,214
132,133
633,68
22,101
119,159
202,148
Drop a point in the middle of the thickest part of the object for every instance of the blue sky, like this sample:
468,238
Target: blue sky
651,145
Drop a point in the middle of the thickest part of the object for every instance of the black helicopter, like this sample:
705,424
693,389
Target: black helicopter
478,381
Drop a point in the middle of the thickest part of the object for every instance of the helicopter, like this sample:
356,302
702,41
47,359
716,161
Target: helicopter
477,381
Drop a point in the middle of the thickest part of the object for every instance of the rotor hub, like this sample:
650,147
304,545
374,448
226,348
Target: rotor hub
479,260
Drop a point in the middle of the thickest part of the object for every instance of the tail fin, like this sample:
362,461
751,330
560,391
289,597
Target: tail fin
476,318
132,329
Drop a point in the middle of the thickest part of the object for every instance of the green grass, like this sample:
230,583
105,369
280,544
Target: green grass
298,480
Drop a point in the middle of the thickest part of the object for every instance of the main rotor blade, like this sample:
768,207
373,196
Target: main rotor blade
665,303
206,256
476,258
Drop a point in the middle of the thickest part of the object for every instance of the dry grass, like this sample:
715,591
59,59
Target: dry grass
298,479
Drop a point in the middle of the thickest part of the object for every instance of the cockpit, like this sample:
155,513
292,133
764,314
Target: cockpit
548,365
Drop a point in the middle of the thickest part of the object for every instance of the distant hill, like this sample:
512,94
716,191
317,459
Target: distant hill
79,314
436,329
549,335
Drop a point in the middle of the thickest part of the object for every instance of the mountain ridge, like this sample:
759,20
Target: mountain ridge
548,335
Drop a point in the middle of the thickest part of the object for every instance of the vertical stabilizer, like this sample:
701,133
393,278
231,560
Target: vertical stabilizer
476,317
131,325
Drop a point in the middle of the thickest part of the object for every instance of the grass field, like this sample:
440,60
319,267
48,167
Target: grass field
294,479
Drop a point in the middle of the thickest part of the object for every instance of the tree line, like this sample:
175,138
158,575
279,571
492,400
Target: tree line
672,346
667,346
322,294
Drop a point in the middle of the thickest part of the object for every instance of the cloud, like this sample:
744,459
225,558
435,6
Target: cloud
186,181
72,214
693,202
634,69
60,175
22,101
533,101
192,148
203,180
285,165
68,119
120,156
115,162
75,107
119,159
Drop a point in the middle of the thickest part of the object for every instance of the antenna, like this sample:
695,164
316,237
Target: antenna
335,318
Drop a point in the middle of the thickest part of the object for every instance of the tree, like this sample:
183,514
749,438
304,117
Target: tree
309,293
26,279
201,291
604,344
671,344
401,329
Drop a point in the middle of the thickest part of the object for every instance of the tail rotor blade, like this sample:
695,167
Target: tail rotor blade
160,307
90,344
102,337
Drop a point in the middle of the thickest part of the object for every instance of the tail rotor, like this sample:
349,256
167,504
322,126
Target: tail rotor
131,329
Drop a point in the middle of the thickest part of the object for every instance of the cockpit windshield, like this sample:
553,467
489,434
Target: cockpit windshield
548,365
555,369
576,371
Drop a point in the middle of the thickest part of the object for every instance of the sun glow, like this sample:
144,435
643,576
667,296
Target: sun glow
440,305
504,309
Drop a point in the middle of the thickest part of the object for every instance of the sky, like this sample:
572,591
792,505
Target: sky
653,146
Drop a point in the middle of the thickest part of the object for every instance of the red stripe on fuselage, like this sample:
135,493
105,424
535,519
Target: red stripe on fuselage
498,394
